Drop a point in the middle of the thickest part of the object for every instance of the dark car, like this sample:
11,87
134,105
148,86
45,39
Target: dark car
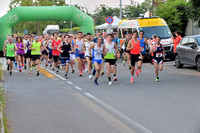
188,52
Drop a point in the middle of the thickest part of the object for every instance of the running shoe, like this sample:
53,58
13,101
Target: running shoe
157,79
10,73
66,76
139,71
90,76
86,70
96,83
53,69
8,67
50,65
132,79
15,65
38,73
46,65
109,83
58,67
115,79
57,71
73,71
25,67
102,73
129,67
20,70
136,73
94,72
80,75
30,72
124,62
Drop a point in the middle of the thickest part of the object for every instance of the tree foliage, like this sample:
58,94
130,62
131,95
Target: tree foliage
175,13
129,11
195,10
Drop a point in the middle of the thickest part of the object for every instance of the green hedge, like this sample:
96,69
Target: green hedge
69,29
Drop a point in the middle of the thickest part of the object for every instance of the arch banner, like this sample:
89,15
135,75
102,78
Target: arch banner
44,13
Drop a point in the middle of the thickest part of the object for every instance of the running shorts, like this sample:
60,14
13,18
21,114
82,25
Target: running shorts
80,55
55,58
98,61
72,57
64,60
135,58
158,60
110,61
35,57
89,57
10,58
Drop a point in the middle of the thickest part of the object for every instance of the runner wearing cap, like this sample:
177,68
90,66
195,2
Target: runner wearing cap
36,48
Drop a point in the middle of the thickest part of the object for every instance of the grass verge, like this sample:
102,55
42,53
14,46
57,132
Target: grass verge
3,118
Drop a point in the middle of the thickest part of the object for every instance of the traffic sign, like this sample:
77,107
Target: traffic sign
109,20
26,32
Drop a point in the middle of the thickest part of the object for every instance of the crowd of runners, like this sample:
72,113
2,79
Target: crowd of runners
61,52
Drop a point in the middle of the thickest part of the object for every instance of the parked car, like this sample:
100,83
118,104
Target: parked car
188,52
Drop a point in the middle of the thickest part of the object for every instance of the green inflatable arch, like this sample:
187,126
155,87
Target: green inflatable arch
44,13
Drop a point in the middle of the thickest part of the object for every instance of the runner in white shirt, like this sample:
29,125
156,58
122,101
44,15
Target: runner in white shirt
88,57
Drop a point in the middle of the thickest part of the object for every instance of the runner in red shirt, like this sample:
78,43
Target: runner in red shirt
54,45
136,56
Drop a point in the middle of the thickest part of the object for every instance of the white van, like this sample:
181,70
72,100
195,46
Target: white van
50,29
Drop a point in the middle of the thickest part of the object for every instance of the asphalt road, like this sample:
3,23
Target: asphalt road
76,105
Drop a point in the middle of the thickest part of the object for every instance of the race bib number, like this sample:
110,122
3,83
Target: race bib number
123,47
159,55
79,48
142,48
107,47
98,52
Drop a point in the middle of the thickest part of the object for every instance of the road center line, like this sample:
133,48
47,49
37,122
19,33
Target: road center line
60,77
126,118
69,82
78,88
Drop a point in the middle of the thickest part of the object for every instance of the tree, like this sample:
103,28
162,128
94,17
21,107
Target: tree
175,13
31,26
195,10
103,11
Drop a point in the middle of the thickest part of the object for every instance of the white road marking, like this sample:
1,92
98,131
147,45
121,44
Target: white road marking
18,71
69,82
126,118
78,88
60,77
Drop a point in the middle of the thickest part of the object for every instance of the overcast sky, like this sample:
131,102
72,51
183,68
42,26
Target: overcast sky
90,4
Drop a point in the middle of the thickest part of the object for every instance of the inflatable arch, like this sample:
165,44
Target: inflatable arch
44,13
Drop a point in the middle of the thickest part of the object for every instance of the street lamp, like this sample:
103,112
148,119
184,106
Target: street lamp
120,9
71,21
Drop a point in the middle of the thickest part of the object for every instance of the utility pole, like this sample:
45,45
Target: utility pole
120,9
